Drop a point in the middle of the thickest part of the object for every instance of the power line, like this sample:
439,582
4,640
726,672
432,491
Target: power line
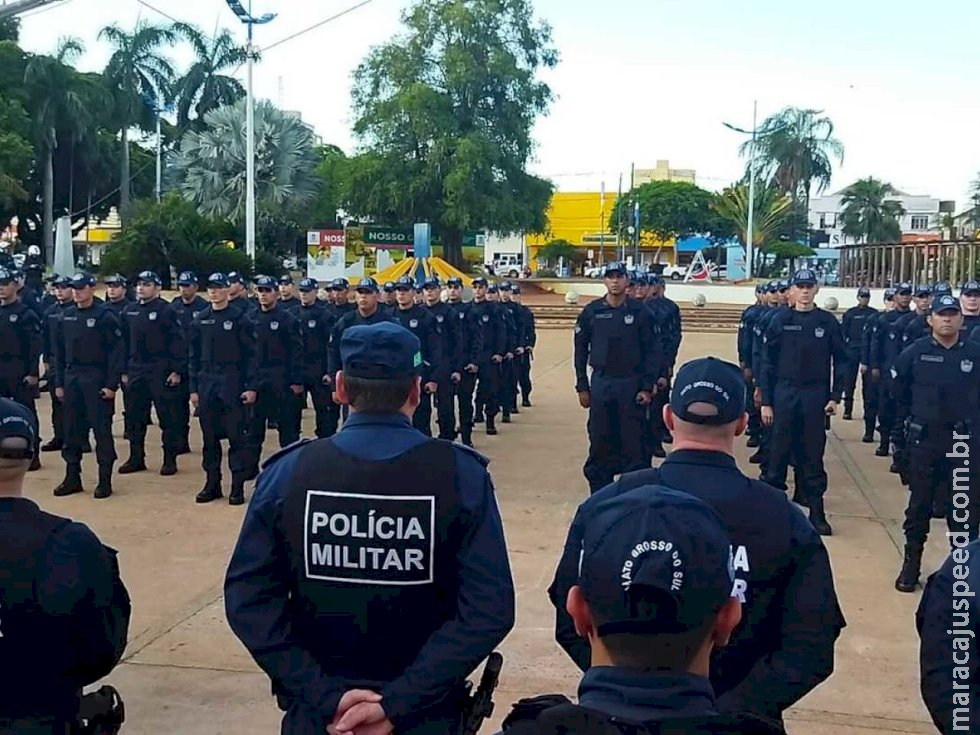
45,9
313,27
157,10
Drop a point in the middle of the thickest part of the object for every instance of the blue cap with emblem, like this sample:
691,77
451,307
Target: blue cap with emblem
480,281
61,282
264,282
516,289
782,284
804,277
455,281
116,279
388,287
772,287
339,284
655,279
382,351
235,277
971,288
946,303
285,280
614,268
218,280
431,282
82,280
149,277
506,286
654,561
6,277
368,285
308,284
717,386
941,288
922,290
864,292
492,288
187,278
405,283
18,431
889,294
903,289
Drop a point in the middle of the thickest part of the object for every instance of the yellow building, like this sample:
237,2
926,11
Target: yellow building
582,219
663,172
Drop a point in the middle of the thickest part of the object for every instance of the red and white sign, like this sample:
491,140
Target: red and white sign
326,254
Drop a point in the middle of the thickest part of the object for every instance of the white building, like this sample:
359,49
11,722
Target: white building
922,218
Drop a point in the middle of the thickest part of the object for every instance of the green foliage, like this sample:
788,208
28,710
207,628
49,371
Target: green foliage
868,214
203,87
555,249
771,209
444,113
782,249
670,209
333,173
16,151
268,264
212,162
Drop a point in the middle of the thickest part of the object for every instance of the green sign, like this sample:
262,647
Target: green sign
389,237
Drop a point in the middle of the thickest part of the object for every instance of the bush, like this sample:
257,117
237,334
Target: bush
546,273
268,264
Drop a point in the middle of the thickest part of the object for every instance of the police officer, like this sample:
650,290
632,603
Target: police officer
34,269
89,360
223,382
949,666
366,597
367,310
63,294
187,305
340,289
65,615
388,302
493,338
238,294
530,341
667,316
791,617
936,383
420,322
287,293
917,326
884,349
117,294
316,322
471,354
776,299
872,392
157,358
20,350
616,336
49,299
656,644
449,329
502,399
852,328
743,344
279,370
970,303
800,347
510,366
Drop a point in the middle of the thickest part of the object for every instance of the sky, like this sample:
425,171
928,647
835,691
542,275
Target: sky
643,80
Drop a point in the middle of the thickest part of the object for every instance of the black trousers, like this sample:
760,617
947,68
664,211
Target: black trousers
508,384
488,388
422,418
886,409
616,430
798,436
274,402
850,374
151,389
464,395
446,409
327,412
524,373
222,416
933,474
182,410
755,420
85,409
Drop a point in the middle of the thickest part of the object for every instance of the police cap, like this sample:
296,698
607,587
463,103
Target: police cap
18,431
655,279
922,290
772,287
339,284
492,288
116,279
388,287
149,277
6,277
614,268
942,288
710,381
382,351
61,282
219,280
782,284
187,278
431,282
864,292
405,283
367,285
889,294
308,284
641,279
760,288
649,534
971,288
236,277
946,303
516,289
263,282
506,286
82,280
903,289
804,277
480,281
285,280
455,281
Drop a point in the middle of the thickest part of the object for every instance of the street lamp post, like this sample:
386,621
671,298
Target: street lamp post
749,235
250,21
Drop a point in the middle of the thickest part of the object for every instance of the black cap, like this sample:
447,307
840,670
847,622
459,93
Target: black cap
285,280
655,279
339,284
782,284
864,291
516,289
61,282
367,284
903,289
82,280
506,286
235,277
480,281
947,302
889,294
614,267
149,277
388,287
187,278
431,282
455,281
308,284
922,290
265,282
971,287
219,280
654,561
382,351
116,279
405,283
712,381
760,288
6,276
492,288
941,288
18,431
804,277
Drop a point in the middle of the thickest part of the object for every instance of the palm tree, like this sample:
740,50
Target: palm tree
797,148
139,77
771,209
212,162
57,100
203,87
868,214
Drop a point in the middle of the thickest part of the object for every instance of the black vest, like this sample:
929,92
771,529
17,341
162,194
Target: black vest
372,547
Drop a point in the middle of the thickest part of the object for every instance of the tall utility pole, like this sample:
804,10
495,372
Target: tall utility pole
749,234
619,219
251,53
602,224
15,8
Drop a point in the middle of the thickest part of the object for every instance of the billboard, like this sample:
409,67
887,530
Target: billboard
325,254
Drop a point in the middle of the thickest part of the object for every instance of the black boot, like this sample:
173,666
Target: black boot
478,417
758,457
753,442
169,466
467,439
817,517
35,463
237,494
491,426
104,488
136,461
515,409
848,409
506,418
525,403
868,438
72,483
881,451
211,490
799,498
658,450
55,445
908,578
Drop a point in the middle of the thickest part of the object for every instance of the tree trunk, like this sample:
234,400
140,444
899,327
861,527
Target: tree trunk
47,220
124,190
452,248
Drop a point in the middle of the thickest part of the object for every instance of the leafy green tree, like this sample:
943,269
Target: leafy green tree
868,214
333,172
212,162
16,152
444,114
205,86
139,77
670,209
782,251
551,251
771,209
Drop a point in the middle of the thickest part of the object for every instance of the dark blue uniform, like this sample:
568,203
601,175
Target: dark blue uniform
65,616
524,361
48,336
20,354
349,319
743,343
853,326
619,344
667,316
784,646
422,323
885,347
949,654
471,353
509,368
347,606
450,331
316,323
185,316
494,338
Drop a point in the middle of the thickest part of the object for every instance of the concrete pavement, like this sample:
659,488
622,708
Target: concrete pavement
185,672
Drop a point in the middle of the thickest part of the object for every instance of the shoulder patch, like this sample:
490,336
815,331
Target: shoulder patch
284,451
482,459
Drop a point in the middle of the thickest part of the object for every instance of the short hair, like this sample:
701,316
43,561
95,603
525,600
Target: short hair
378,396
13,466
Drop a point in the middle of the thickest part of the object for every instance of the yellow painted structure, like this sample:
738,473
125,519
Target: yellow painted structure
581,219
